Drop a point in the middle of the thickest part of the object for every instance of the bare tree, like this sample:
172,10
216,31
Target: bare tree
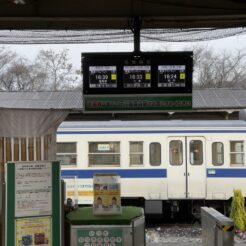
6,59
18,76
50,71
219,69
54,72
16,72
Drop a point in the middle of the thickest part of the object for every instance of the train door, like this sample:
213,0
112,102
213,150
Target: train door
176,168
186,172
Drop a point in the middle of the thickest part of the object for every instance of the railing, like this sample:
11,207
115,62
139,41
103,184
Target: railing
217,229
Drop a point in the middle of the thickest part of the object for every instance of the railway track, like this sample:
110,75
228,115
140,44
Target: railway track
173,233
177,235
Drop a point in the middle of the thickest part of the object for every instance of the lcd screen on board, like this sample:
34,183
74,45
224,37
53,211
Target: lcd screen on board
146,73
102,77
171,76
137,76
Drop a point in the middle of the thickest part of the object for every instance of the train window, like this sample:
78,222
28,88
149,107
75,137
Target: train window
155,154
217,154
176,152
196,153
66,153
136,153
236,153
104,153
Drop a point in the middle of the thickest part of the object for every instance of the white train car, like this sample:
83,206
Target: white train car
164,163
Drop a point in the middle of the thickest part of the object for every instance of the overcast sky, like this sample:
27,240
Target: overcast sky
75,50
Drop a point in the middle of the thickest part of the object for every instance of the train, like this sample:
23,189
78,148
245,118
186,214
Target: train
169,167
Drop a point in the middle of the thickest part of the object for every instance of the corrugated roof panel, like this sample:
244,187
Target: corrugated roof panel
5,103
226,98
42,100
210,99
36,104
240,95
39,95
198,100
202,99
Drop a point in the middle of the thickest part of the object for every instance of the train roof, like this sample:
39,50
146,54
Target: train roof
153,124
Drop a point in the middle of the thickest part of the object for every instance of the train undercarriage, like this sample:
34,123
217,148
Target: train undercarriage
177,210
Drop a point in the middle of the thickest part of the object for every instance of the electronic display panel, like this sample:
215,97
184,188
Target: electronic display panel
137,76
102,77
143,73
172,76
133,82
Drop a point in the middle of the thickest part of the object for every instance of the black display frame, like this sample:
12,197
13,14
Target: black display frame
119,59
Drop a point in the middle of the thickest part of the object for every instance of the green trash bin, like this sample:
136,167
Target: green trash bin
86,229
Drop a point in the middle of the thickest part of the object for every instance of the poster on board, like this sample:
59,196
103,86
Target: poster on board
107,198
33,231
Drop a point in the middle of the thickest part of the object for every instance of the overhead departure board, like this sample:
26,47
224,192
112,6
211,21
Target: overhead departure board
142,81
136,76
171,76
102,77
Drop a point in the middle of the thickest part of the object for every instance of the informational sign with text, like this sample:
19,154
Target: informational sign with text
33,203
33,189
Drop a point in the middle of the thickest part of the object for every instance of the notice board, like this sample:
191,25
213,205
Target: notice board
33,208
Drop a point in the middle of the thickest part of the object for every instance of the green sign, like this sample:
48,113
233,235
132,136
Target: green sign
137,103
99,237
33,212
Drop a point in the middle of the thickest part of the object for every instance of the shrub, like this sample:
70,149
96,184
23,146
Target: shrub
238,213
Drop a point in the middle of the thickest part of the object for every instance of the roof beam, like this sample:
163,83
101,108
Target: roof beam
115,14
68,23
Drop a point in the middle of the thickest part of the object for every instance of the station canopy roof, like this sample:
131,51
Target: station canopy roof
116,14
94,21
32,114
203,99
61,100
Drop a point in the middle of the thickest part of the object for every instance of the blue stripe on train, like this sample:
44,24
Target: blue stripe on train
150,131
153,173
124,173
226,173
